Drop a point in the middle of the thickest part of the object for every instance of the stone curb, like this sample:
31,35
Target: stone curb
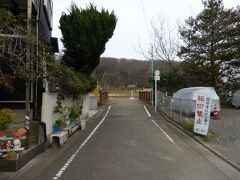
234,165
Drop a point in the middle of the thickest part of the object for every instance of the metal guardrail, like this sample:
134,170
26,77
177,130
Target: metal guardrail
179,110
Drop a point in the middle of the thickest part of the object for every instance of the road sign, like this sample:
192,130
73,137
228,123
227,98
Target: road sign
202,113
156,78
157,73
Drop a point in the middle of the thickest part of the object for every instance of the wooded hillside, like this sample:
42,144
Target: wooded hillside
124,72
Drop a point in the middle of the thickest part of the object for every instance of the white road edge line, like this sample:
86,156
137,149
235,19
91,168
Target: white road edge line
169,138
66,165
149,115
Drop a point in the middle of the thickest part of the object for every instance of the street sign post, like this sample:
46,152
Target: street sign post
156,78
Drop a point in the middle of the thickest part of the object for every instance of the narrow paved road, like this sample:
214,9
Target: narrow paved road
130,145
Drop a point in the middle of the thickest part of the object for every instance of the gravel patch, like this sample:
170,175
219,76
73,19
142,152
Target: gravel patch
227,130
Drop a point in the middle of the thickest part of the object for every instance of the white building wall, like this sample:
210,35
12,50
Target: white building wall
93,102
85,108
48,104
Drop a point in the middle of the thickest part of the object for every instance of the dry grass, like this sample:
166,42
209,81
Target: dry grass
211,136
122,92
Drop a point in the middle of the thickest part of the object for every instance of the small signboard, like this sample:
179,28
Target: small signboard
157,72
157,78
202,113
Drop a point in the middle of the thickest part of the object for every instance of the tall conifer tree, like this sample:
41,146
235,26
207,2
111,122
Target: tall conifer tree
211,45
85,34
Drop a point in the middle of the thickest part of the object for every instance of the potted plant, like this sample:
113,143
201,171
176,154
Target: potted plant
74,114
58,108
10,155
19,133
56,128
59,125
6,118
62,113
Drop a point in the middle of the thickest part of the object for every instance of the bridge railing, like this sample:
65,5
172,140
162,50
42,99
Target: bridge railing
145,95
103,96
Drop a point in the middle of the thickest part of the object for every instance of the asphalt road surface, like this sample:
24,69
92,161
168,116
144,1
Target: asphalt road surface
129,142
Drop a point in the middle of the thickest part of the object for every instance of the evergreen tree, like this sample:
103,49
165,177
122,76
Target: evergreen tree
171,80
85,33
211,44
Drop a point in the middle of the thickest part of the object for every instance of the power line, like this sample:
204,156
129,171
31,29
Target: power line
145,17
146,22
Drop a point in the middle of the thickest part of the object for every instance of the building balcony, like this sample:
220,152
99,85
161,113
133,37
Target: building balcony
20,4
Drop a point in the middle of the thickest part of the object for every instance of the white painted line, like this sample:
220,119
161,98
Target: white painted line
169,138
66,165
149,115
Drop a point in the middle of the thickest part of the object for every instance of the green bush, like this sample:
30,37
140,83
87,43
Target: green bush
6,118
60,123
85,34
188,125
72,83
74,114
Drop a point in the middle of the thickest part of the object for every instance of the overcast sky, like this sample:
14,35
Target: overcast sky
134,20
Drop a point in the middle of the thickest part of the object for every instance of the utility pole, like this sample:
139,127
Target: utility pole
28,81
152,75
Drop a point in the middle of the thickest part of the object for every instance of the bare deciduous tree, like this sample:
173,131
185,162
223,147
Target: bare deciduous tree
163,45
13,50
